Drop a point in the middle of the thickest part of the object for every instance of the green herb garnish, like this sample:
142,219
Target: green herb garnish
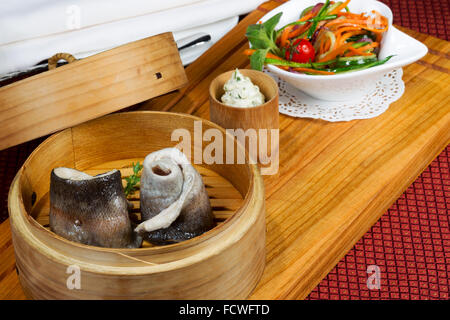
133,180
262,38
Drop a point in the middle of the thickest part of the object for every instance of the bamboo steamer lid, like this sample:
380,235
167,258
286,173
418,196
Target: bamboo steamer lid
89,88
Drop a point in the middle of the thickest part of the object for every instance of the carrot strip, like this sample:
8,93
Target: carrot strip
273,56
285,36
357,52
303,28
298,31
344,37
345,29
328,45
249,52
379,37
350,15
376,30
385,20
334,53
369,46
363,24
306,17
356,22
339,8
361,51
338,40
350,53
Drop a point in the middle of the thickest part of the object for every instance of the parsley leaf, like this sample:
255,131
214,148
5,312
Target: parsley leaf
133,180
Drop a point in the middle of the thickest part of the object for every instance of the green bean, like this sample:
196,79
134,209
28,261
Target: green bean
314,24
359,67
299,23
287,63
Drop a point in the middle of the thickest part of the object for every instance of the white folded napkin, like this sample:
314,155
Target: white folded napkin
215,30
22,54
27,19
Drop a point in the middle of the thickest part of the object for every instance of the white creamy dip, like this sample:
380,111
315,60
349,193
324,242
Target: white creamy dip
241,92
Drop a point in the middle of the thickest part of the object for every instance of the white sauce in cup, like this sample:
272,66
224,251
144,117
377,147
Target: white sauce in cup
241,92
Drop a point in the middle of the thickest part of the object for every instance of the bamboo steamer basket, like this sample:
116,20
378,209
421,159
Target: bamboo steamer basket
223,263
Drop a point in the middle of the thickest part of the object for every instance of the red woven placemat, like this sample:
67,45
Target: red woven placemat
426,16
410,244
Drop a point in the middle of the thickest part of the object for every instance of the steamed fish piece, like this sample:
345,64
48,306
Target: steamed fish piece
174,202
91,210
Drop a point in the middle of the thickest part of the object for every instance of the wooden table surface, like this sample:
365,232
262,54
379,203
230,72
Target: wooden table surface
335,179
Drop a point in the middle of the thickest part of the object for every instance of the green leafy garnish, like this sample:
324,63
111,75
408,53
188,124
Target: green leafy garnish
133,180
262,38
257,59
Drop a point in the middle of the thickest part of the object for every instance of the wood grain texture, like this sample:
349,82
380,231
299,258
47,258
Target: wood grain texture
9,282
335,179
209,266
89,88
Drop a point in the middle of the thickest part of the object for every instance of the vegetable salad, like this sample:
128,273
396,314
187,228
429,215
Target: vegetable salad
327,39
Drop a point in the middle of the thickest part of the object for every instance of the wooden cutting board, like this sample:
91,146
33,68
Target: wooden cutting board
89,88
335,179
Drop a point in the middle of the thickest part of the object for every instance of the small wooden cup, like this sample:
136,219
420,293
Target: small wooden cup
265,116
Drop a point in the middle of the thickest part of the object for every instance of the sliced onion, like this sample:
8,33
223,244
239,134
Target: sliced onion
330,35
317,8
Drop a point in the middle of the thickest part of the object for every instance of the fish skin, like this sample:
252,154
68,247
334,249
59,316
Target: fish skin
92,211
159,190
195,219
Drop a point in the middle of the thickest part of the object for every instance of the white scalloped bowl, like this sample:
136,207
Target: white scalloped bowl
351,85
